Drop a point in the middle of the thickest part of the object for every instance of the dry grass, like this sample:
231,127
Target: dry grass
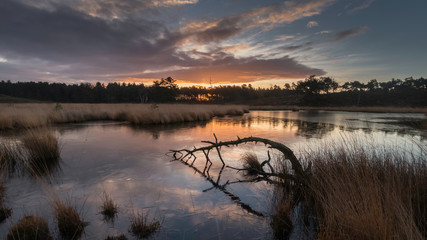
142,228
281,221
11,155
368,193
30,228
119,237
35,115
109,208
346,109
251,163
70,223
43,152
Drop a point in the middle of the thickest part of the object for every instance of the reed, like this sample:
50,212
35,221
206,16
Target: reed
29,228
361,193
141,227
251,163
18,116
43,152
11,156
70,223
109,208
119,237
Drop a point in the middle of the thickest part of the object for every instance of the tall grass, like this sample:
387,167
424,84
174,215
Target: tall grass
70,223
251,163
30,228
43,152
141,227
361,192
36,153
11,155
109,208
35,115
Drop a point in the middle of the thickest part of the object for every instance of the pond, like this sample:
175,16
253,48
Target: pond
131,165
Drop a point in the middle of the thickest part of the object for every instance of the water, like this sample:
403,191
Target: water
131,165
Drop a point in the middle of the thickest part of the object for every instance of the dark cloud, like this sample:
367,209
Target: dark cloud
348,33
224,29
305,46
63,43
239,70
67,34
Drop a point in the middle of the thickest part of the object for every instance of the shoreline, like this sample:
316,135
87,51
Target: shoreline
32,115
373,109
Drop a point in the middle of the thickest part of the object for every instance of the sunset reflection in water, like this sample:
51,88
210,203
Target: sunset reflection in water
130,163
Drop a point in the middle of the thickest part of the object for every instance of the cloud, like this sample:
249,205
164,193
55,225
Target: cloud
284,37
324,32
364,5
214,30
312,24
296,47
65,44
348,33
239,70
106,8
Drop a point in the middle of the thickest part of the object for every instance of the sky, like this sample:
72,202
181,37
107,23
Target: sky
211,41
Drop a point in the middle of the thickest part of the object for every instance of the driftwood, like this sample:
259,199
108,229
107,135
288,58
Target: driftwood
298,177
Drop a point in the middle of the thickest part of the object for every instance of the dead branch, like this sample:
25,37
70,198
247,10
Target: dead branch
298,178
185,154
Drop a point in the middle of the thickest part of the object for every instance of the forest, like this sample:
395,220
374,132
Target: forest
312,91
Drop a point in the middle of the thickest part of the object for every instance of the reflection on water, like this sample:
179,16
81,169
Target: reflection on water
130,164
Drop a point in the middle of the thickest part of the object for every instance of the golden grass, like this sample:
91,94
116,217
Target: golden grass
251,163
30,228
346,109
361,193
43,152
142,228
15,116
70,223
109,208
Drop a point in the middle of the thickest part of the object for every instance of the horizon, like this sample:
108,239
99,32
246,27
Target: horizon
197,41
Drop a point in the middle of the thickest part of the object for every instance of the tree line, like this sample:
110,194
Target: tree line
312,91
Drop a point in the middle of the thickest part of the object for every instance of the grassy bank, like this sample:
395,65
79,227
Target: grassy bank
15,116
357,192
346,109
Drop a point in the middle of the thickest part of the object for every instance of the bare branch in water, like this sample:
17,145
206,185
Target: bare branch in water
299,176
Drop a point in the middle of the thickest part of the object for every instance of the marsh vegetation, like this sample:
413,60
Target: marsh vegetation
141,226
336,191
69,220
109,208
24,116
